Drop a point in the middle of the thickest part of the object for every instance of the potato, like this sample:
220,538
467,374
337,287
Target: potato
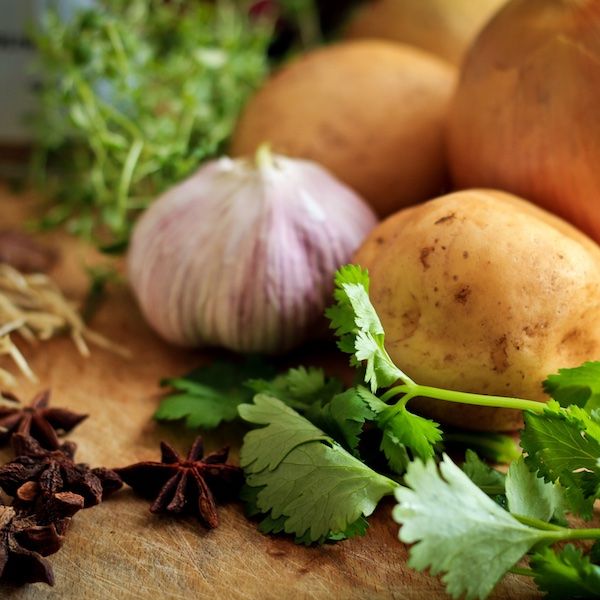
443,27
372,112
480,291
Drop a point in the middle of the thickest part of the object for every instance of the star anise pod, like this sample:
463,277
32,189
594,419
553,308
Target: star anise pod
186,485
37,477
37,420
23,545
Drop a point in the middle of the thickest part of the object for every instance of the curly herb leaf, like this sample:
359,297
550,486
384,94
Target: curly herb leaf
133,96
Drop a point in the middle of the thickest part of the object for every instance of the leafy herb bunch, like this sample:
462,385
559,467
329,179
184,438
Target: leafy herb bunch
134,95
306,477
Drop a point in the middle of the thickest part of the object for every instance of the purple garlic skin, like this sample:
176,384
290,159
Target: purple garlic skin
243,256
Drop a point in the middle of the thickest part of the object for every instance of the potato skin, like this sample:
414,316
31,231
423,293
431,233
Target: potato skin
481,291
372,112
443,27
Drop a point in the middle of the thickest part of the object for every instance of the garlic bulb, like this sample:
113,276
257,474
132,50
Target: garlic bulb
242,254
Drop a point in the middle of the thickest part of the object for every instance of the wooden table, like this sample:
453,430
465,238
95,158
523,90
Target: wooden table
118,550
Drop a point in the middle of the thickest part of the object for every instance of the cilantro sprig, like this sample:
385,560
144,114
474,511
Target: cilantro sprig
307,484
459,531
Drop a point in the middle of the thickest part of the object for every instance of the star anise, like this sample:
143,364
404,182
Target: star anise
37,420
37,477
23,545
186,486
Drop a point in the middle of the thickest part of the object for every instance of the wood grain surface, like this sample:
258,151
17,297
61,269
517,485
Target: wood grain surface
118,550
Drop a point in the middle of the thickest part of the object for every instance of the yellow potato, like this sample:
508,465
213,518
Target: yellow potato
480,291
372,112
443,27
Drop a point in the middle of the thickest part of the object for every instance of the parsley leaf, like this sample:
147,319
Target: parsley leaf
530,496
357,325
579,386
488,480
563,444
304,476
458,530
209,395
566,574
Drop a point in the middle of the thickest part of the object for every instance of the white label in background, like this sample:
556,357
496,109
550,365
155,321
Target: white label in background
17,82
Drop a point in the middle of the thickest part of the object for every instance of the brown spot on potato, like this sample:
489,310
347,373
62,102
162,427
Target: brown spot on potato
379,240
449,358
410,321
499,355
447,219
465,254
463,294
424,256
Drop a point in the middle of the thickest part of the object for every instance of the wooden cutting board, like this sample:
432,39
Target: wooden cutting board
118,550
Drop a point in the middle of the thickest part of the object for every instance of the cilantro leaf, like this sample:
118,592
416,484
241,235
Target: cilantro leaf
298,387
265,448
304,476
563,444
530,496
458,530
344,416
268,524
566,574
405,435
496,447
579,386
488,480
357,324
209,395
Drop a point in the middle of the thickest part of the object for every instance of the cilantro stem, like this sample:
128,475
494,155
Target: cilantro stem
463,397
522,571
558,532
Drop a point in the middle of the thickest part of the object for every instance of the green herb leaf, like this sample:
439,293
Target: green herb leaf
403,429
299,388
458,530
265,448
357,325
304,476
563,444
210,395
565,574
579,386
496,447
344,416
530,496
488,480
133,96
